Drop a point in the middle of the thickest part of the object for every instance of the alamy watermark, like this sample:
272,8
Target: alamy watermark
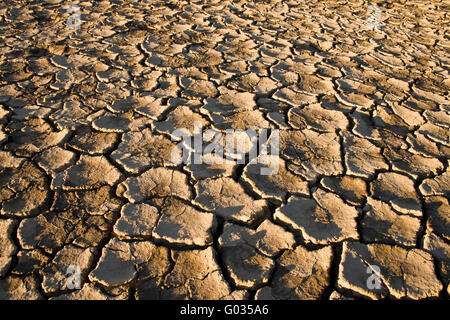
374,20
73,274
74,20
374,280
236,145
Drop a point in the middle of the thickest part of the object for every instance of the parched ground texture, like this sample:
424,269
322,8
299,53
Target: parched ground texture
86,123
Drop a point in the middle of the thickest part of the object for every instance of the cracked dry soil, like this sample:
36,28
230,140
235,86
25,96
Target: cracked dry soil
86,122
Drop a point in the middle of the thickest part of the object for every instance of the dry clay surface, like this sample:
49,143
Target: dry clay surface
86,125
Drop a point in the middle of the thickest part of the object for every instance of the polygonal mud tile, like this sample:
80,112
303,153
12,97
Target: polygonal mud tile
182,118
38,232
420,144
441,252
314,116
20,288
439,118
122,262
23,190
31,136
412,118
348,85
113,75
276,185
381,224
136,221
294,98
283,73
384,118
438,211
430,96
397,190
354,100
248,268
156,182
30,112
111,123
73,115
351,189
184,281
300,274
364,126
7,247
92,142
312,84
321,220
374,270
435,133
213,286
268,239
362,158
182,224
153,108
197,88
94,202
56,275
55,159
29,261
7,160
228,199
229,101
140,150
213,166
147,82
241,120
82,218
437,186
414,165
311,153
90,172
168,87
251,82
